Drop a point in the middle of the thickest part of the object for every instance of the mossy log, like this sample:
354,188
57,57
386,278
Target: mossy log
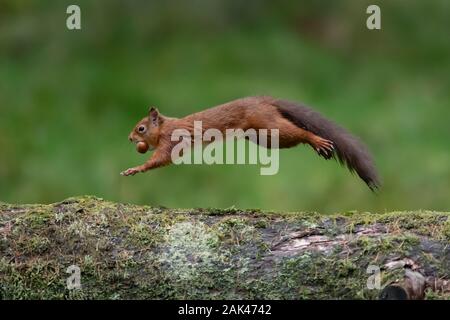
140,252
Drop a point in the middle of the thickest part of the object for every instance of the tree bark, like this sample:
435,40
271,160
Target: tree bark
125,251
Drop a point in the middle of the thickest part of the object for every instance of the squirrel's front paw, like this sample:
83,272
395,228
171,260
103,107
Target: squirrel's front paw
130,172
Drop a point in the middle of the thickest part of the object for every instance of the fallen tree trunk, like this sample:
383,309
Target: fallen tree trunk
87,248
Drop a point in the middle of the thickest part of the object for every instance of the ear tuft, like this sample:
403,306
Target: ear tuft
153,114
152,110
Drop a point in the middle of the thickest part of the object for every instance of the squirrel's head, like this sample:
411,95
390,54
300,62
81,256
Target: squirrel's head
146,132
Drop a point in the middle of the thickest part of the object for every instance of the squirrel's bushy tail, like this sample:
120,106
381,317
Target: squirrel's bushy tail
348,150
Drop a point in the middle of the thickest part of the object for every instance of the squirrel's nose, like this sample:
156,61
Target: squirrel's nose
130,138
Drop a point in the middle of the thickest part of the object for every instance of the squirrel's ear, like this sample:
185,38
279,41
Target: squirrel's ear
153,114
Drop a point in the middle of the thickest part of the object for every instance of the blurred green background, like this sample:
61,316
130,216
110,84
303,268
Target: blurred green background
68,99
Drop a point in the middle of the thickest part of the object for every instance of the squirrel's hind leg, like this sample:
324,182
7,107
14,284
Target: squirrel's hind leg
290,135
323,147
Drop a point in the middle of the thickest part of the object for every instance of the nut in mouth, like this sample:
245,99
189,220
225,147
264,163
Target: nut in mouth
142,147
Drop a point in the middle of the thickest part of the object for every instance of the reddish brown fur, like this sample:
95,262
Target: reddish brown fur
246,113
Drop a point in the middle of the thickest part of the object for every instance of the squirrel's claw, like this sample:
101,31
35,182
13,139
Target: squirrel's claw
129,172
325,148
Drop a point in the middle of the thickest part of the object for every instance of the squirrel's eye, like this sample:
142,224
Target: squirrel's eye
141,129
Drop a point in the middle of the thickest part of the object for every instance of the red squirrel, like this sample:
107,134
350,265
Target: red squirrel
296,124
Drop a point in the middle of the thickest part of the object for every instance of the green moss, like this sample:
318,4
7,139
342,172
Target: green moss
432,295
262,223
36,218
34,245
446,230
